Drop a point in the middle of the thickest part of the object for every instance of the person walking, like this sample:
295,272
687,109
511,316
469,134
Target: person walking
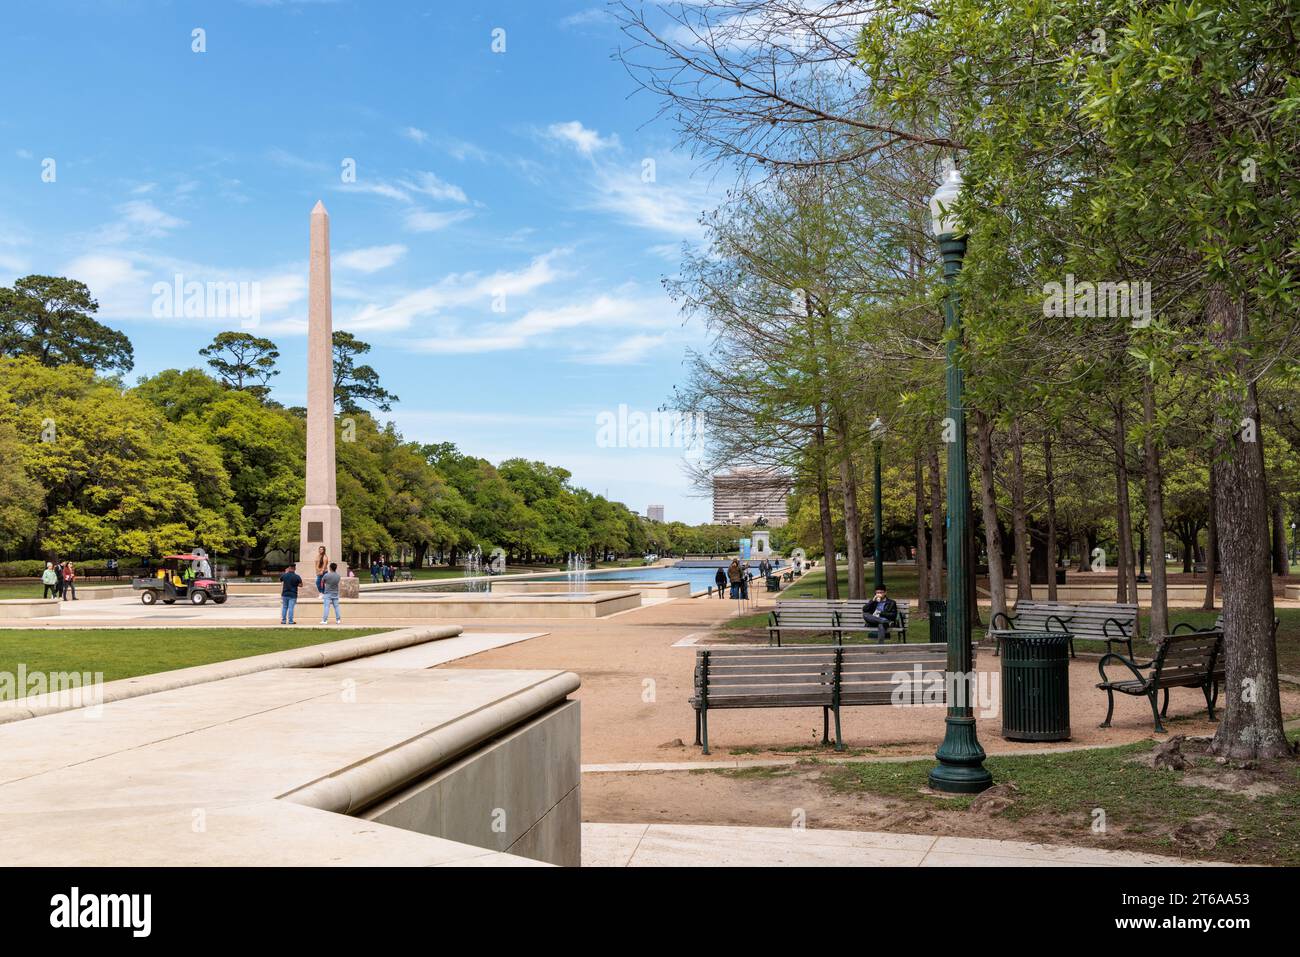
720,579
290,582
329,594
733,574
50,579
322,566
69,581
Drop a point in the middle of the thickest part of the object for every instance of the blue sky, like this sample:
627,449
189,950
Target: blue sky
501,246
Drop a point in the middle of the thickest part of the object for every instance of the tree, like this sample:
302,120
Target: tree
20,497
51,319
354,384
243,361
116,475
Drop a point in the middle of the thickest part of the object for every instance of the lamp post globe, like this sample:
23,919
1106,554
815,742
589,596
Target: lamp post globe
961,759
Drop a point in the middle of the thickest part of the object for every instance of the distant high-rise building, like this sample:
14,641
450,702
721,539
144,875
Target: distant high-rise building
743,496
655,513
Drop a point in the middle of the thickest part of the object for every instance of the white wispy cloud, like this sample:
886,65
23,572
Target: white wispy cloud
137,219
371,258
602,328
470,291
430,221
586,141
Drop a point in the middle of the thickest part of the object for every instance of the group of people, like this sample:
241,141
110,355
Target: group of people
327,585
59,580
737,576
382,570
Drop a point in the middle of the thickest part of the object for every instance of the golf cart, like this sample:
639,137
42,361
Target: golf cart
168,585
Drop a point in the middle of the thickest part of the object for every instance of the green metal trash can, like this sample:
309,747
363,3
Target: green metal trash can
1036,686
938,621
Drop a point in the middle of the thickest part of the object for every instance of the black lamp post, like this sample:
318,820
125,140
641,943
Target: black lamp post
961,759
877,435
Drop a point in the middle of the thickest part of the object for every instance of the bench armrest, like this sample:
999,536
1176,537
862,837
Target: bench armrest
1007,620
1134,666
1123,629
1184,624
773,619
1059,620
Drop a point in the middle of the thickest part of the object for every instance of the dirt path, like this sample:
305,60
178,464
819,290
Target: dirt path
635,688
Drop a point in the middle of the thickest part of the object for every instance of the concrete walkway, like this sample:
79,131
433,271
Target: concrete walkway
684,845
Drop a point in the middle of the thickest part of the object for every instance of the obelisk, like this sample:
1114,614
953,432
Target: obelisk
322,522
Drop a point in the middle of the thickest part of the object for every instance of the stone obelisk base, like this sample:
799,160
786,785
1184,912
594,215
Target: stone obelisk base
323,525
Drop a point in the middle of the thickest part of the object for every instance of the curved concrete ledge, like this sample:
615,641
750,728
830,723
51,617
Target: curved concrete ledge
308,656
353,789
14,608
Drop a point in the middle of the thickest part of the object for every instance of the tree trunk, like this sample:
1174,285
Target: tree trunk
852,524
1211,548
1155,513
1280,562
1019,516
825,517
1050,478
1251,726
922,549
936,527
1123,515
989,509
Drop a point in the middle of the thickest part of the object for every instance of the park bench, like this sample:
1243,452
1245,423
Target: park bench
829,677
1109,622
827,614
773,583
1182,661
1217,626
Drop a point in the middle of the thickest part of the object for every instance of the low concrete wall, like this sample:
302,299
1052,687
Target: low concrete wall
14,608
480,605
651,592
520,794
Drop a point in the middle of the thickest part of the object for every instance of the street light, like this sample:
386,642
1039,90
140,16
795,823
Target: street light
877,435
961,759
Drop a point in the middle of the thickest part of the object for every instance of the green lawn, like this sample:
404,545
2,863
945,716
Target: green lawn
127,652
1142,806
20,590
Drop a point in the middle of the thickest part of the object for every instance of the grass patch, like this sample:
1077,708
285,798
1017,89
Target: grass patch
128,652
1143,806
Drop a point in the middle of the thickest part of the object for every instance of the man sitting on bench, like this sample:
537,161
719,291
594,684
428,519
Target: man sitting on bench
881,611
